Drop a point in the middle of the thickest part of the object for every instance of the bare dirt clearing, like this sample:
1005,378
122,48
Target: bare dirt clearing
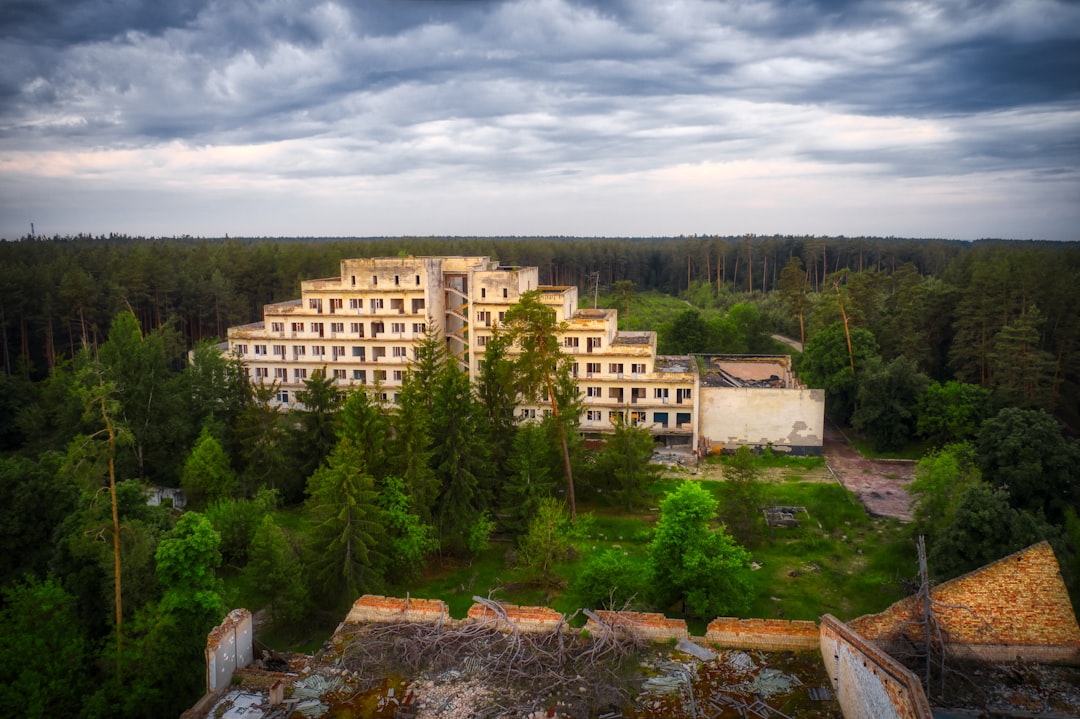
880,485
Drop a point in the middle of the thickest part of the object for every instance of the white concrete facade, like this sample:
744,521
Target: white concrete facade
363,326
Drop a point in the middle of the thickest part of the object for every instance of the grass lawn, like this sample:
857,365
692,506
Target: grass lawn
838,560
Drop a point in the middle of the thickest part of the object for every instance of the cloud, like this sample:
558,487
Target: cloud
247,96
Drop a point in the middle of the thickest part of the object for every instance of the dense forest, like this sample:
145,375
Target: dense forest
968,351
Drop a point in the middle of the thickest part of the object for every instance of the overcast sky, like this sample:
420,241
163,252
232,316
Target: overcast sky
956,119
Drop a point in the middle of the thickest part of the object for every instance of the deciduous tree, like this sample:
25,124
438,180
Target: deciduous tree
693,564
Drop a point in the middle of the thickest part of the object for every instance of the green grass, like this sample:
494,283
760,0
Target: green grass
770,460
838,560
912,450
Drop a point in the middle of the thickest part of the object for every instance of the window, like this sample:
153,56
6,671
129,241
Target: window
383,397
483,293
592,368
615,368
398,327
419,328
682,394
335,304
358,352
592,343
317,327
380,376
262,372
636,394
682,420
528,414
357,328
398,304
594,392
360,376
241,349
297,326
281,373
660,418
637,368
417,305
615,393
661,393
484,318
355,304
318,351
574,370
570,342
399,352
314,304
378,353
398,374
376,303
637,418
594,415
299,351
354,280
418,280
339,374
338,351
397,280
283,396
277,326
279,350
337,326
299,374
374,279
504,293
615,416
377,328
501,315
481,340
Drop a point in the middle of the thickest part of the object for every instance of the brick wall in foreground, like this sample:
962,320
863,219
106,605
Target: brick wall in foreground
1015,607
770,635
654,627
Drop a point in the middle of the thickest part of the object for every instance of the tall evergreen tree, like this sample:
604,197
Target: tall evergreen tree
343,508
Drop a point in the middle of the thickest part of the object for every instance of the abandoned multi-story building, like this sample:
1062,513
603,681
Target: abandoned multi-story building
362,328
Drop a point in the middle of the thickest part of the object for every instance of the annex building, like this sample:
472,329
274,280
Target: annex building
362,328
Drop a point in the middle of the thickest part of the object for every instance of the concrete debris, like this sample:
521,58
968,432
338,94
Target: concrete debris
773,681
695,650
740,660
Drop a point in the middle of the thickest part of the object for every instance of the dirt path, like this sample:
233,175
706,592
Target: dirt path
881,485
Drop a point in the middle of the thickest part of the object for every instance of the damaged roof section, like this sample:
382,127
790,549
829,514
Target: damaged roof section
748,371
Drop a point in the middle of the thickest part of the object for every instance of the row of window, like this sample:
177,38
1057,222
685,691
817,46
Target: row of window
336,351
281,374
591,343
660,419
397,280
639,394
483,294
355,328
283,396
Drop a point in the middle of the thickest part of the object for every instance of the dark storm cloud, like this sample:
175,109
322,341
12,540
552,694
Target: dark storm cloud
541,88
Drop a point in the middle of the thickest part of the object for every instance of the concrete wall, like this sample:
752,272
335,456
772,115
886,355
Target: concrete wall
229,647
788,419
869,684
1015,607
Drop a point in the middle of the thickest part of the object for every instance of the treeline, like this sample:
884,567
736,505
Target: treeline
945,304
54,292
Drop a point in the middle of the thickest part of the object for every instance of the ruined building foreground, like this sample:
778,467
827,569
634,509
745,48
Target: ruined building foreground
362,329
